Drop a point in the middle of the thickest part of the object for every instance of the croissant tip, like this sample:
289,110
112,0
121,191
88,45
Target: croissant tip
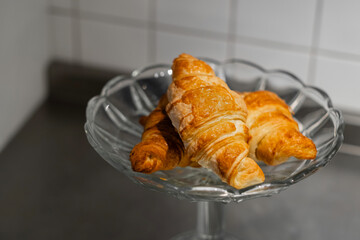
247,173
184,55
297,146
144,161
306,148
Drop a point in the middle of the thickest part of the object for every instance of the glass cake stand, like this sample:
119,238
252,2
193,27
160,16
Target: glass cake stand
113,129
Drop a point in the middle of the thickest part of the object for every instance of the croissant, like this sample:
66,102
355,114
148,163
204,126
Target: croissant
275,135
210,119
161,147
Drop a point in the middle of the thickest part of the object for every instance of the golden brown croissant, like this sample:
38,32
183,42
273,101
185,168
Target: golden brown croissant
210,119
275,135
161,147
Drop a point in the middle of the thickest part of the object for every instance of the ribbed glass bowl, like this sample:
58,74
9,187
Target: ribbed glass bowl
113,129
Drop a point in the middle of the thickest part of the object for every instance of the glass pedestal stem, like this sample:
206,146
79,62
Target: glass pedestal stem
210,224
210,220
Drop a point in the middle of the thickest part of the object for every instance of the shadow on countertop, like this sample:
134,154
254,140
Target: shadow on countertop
55,186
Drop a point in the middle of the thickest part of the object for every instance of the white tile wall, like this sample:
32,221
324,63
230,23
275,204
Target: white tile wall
61,37
23,57
341,80
284,34
136,9
210,15
289,21
341,26
169,45
114,46
268,58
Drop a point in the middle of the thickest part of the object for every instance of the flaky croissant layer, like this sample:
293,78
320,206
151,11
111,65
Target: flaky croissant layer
210,119
200,121
161,147
275,135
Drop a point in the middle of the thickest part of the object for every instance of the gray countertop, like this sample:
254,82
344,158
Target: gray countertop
53,185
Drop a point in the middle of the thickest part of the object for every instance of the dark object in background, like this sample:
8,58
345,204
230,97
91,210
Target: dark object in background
75,83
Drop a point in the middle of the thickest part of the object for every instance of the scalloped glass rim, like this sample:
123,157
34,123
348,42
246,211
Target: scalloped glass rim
215,192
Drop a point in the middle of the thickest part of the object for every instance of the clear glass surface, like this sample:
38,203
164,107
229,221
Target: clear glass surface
113,129
210,224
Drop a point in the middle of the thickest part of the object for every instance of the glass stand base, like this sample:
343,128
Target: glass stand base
210,224
193,235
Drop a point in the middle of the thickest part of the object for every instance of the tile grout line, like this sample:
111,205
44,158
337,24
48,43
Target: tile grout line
183,30
191,31
314,50
282,46
339,55
58,11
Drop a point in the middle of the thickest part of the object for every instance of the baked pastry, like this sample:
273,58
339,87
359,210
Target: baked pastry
161,147
275,135
210,119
